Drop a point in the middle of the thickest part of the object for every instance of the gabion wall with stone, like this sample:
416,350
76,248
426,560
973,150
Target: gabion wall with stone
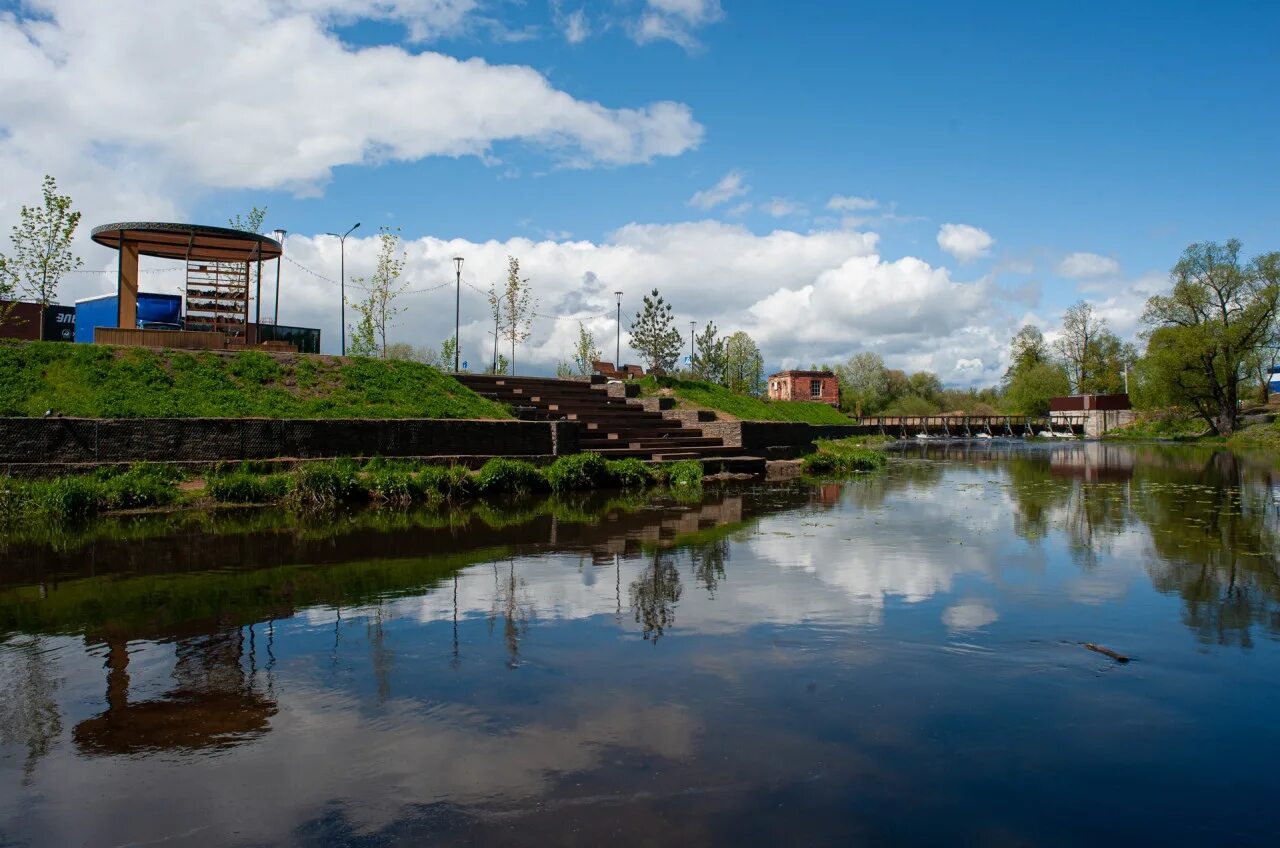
90,440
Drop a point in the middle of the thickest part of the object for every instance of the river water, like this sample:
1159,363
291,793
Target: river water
898,659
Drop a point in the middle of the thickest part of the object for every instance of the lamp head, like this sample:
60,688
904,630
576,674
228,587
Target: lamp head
457,263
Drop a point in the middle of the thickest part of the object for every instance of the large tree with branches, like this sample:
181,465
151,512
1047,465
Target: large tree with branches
1203,336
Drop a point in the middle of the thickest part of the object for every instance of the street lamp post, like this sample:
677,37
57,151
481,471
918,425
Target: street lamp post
457,313
279,234
617,353
692,325
342,250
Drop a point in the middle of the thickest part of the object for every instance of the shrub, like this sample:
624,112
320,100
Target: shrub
244,487
143,484
684,475
578,471
508,475
66,498
842,456
448,481
630,473
319,485
393,484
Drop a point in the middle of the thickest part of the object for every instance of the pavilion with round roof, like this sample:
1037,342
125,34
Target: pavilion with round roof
219,265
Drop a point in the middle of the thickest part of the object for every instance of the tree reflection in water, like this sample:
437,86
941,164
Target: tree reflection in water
1209,514
29,714
654,595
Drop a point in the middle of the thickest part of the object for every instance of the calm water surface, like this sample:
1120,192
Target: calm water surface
894,660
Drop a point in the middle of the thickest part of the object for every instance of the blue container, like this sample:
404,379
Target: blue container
154,310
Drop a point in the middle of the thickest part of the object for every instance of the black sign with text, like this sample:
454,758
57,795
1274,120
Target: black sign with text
59,324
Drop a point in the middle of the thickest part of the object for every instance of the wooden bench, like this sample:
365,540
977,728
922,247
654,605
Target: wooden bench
606,370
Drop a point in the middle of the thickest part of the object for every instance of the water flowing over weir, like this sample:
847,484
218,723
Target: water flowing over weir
972,642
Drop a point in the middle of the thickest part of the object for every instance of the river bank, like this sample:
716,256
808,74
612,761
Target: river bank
380,481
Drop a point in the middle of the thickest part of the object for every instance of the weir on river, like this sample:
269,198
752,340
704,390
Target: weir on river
976,426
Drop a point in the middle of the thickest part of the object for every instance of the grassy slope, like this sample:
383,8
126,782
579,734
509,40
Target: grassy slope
94,381
710,396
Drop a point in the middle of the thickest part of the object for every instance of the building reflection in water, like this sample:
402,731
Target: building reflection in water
214,702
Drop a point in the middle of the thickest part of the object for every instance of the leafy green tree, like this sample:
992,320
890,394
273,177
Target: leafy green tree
41,252
585,352
1109,359
864,384
1031,388
709,356
1027,349
743,364
518,308
926,385
898,385
912,405
1265,360
379,308
654,335
1203,334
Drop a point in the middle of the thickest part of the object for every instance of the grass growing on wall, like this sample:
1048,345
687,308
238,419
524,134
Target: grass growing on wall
324,485
745,407
96,381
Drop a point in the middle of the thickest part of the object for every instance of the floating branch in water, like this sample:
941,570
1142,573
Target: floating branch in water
1107,652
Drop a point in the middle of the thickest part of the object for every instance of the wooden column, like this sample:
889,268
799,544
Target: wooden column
127,285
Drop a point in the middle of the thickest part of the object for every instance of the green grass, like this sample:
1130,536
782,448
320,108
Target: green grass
93,381
1265,436
324,485
1169,425
838,457
746,408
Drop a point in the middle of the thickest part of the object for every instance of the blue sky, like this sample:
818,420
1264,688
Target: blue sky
1121,132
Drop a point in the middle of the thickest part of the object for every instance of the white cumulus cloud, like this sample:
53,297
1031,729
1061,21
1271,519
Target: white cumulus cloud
965,242
244,94
1086,265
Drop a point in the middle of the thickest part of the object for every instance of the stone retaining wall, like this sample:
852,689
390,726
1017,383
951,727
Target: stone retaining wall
778,439
26,441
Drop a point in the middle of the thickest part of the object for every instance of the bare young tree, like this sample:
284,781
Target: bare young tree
250,223
378,310
518,304
585,352
41,248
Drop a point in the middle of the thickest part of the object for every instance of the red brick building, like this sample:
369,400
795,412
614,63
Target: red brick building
815,386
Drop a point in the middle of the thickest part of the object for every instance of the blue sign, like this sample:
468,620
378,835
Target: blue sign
464,365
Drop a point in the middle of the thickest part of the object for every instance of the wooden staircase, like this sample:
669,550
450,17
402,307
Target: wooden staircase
610,426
